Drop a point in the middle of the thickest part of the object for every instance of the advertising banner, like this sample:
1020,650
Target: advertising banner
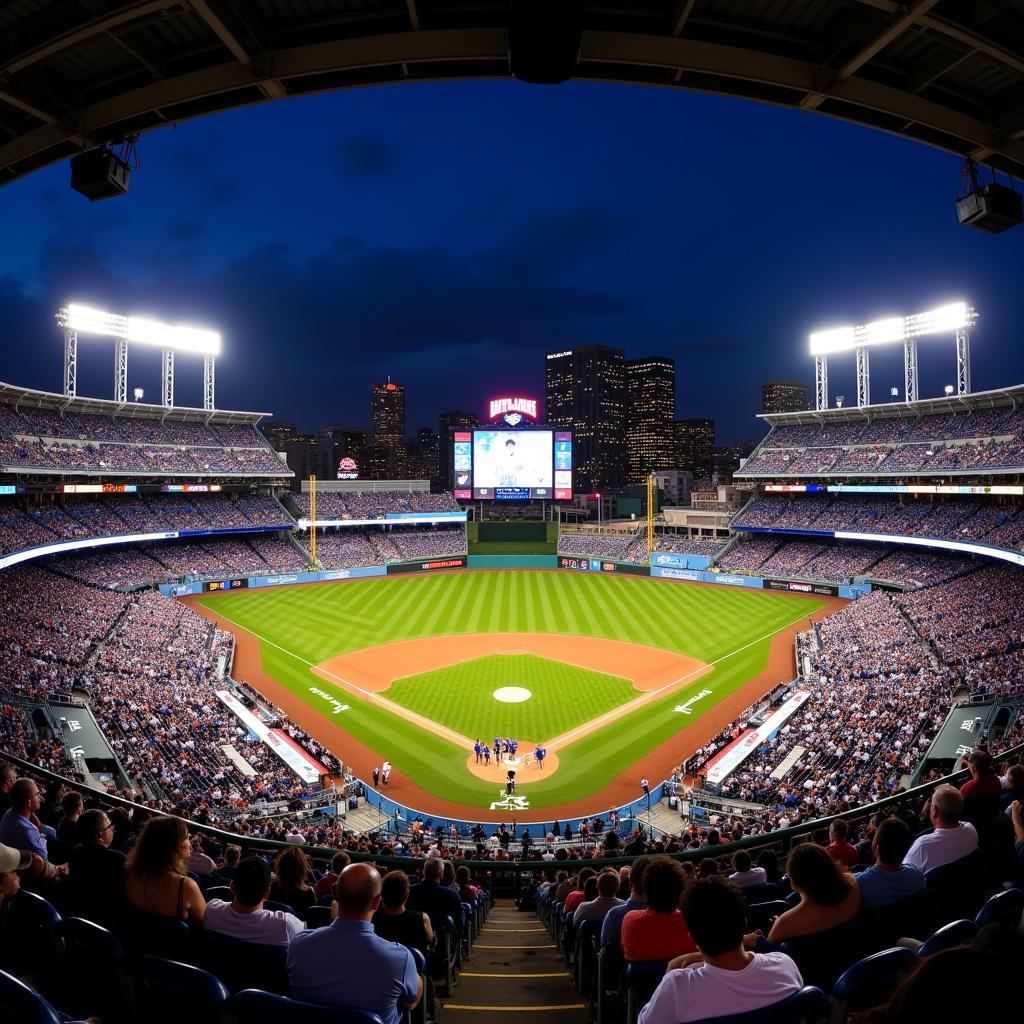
456,562
307,769
235,584
255,726
802,587
694,575
732,581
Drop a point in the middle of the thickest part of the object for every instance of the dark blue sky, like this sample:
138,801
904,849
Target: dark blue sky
449,234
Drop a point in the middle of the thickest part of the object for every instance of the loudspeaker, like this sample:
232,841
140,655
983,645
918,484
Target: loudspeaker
99,174
544,39
991,208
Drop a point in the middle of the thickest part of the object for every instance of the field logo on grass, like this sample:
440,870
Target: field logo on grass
338,706
510,803
686,707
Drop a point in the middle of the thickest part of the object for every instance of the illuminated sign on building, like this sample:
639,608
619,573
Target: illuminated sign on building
513,407
347,469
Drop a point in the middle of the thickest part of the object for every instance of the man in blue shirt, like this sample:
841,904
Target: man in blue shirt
611,927
348,964
19,826
889,880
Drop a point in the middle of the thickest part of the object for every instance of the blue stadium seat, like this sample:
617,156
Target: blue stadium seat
256,1007
171,992
823,956
169,937
1003,908
22,1004
871,981
95,978
317,917
219,892
759,915
642,978
956,933
38,952
588,936
809,1003
242,964
287,908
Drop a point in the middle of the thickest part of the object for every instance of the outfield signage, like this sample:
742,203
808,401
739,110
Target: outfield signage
307,769
679,574
732,581
728,760
584,564
802,587
456,562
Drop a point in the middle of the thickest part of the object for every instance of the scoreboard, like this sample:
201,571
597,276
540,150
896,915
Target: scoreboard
512,465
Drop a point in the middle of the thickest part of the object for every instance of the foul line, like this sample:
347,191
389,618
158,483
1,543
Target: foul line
464,742
654,694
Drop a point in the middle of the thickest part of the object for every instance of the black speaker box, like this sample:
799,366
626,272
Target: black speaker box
544,39
991,208
99,174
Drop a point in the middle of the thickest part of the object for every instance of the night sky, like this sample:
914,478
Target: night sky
449,234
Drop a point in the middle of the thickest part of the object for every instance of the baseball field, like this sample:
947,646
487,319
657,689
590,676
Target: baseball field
617,677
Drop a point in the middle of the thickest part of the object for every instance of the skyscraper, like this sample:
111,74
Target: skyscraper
784,396
650,431
388,461
278,433
695,446
424,452
587,394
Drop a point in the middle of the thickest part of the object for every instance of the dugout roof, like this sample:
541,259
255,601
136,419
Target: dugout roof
949,73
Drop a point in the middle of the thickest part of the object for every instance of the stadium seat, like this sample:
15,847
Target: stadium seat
285,908
168,937
1003,908
170,992
913,916
641,980
588,935
38,953
317,917
823,956
759,915
956,933
808,1004
871,981
764,893
95,978
443,959
958,886
242,964
219,892
22,1004
254,1006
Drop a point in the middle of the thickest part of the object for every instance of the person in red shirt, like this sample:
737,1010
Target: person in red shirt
984,782
577,896
841,851
659,932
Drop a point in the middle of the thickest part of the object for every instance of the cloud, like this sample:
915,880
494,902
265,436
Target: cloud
365,156
185,230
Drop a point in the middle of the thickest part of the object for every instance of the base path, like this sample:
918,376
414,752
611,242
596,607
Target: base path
656,765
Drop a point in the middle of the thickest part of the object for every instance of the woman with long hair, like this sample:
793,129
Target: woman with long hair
829,895
156,881
291,880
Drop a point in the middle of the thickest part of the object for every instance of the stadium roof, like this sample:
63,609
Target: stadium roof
76,72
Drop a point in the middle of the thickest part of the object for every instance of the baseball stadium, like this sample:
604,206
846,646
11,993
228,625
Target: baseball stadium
319,740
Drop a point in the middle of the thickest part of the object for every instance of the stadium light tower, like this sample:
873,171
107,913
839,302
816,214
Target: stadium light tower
76,319
955,318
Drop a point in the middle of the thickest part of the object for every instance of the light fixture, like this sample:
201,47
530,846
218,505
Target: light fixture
895,392
181,337
138,394
839,401
948,389
942,320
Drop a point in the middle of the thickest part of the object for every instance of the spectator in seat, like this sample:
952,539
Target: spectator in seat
20,826
96,873
839,848
7,779
770,862
579,893
1013,787
659,931
50,809
291,880
743,874
245,917
346,963
951,838
67,829
393,922
1017,818
435,899
232,857
828,896
889,880
611,928
12,864
981,793
723,977
155,878
199,862
606,900
325,887
865,848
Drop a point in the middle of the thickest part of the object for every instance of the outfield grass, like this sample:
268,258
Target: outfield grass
300,627
462,696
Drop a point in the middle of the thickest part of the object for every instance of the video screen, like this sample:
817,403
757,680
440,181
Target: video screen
512,458
513,465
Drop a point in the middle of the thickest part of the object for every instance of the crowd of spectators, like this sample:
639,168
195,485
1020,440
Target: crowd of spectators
25,524
350,548
998,523
596,545
941,442
374,504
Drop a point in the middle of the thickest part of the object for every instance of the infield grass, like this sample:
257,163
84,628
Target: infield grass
462,696
301,627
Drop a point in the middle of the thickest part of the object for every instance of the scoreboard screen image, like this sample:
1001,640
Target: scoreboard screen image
513,465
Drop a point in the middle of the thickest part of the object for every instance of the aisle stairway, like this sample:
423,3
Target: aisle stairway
515,973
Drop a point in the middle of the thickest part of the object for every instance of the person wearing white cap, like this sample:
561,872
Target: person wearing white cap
12,863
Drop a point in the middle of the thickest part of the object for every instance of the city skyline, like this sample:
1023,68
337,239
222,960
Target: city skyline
601,229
